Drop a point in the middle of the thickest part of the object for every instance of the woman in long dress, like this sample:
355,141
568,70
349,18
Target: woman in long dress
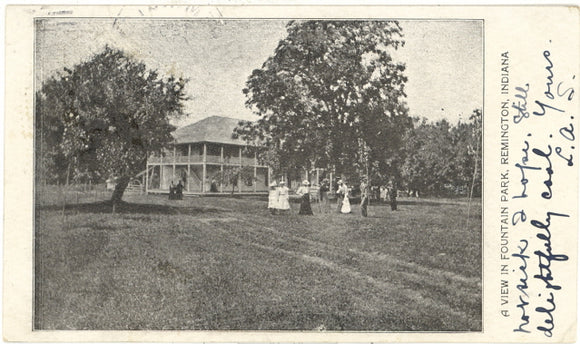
339,196
383,193
283,197
345,202
179,191
304,191
323,197
273,194
171,191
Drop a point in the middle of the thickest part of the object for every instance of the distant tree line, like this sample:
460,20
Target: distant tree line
442,159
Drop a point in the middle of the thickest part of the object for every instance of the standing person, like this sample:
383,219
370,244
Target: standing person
273,195
392,191
304,191
283,197
179,191
345,209
364,197
339,196
323,197
171,191
383,194
213,187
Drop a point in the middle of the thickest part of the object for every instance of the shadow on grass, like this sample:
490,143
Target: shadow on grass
236,196
106,207
405,202
429,203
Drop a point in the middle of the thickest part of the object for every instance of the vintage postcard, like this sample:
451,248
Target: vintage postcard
291,173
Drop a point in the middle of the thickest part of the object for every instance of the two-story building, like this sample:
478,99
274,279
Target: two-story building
200,153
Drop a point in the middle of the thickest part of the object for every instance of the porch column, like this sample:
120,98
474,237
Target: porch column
174,158
204,170
239,179
188,167
221,167
331,182
161,175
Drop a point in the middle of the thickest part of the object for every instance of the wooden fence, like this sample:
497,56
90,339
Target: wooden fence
46,195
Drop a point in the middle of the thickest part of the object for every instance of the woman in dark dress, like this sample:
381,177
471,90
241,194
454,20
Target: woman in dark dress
213,187
171,191
304,191
179,191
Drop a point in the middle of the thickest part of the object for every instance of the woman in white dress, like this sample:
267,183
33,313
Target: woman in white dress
273,195
383,193
345,202
339,196
283,197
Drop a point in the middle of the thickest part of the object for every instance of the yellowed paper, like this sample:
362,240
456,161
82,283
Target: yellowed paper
518,65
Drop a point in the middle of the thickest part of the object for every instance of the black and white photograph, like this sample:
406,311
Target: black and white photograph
228,174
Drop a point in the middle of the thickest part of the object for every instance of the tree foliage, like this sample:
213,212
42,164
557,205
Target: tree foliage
233,175
330,96
444,159
104,117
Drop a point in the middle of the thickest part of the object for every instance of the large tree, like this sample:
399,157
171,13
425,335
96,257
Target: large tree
104,117
330,96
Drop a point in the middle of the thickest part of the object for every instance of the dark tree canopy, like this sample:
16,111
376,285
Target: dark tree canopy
330,96
102,118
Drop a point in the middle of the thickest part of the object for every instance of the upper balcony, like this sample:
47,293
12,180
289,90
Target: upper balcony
197,158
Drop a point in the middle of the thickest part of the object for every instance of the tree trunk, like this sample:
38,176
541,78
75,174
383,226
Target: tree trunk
120,187
67,174
471,191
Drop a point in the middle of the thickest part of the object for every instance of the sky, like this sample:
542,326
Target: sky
444,59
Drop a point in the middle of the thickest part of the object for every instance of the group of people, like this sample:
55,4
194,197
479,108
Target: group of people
279,198
388,194
176,191
343,197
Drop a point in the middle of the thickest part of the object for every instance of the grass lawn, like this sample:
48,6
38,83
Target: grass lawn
215,263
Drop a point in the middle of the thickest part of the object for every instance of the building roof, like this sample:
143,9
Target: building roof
216,129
